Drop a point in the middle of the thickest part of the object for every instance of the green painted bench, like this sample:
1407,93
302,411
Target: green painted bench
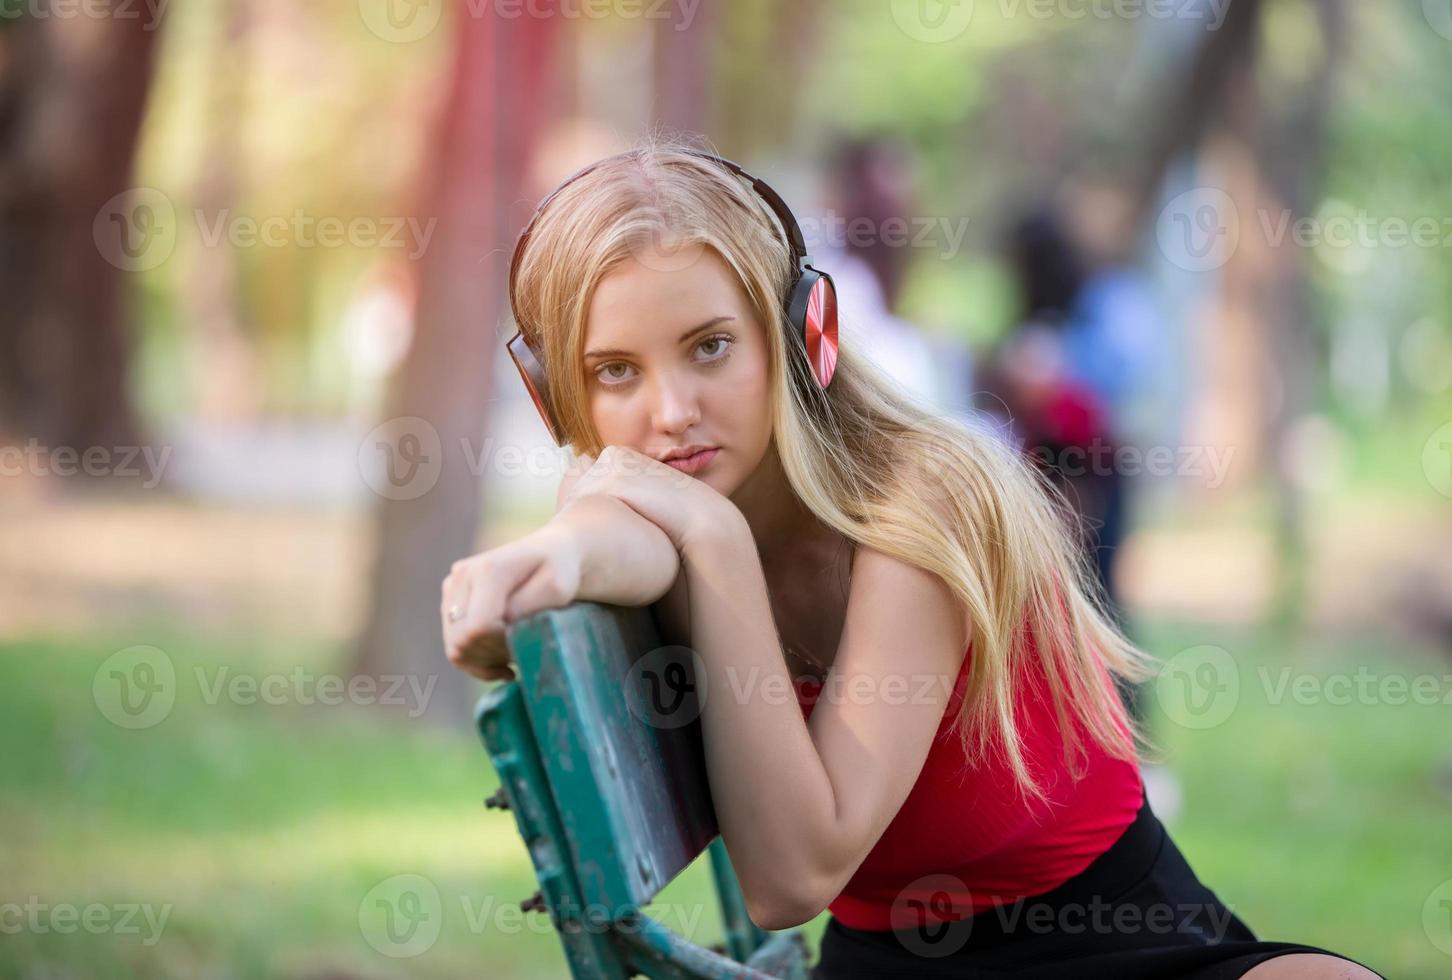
607,784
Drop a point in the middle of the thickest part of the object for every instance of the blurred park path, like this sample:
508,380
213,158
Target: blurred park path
269,566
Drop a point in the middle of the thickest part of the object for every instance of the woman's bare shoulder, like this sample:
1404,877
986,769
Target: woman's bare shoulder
888,592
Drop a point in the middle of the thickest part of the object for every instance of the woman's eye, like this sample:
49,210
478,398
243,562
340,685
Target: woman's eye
721,344
716,349
609,374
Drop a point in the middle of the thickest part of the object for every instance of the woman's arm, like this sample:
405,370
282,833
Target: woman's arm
623,558
596,548
801,806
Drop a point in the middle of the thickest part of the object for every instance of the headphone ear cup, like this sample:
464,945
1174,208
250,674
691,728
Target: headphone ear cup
533,375
812,317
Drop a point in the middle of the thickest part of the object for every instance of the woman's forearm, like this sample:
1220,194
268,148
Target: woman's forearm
625,560
774,798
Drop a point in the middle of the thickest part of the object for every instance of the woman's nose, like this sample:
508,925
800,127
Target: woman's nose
676,405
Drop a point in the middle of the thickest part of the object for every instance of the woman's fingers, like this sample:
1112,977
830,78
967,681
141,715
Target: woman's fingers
454,603
474,637
488,659
488,588
484,594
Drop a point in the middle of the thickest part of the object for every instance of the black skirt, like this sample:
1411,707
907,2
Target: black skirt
1137,912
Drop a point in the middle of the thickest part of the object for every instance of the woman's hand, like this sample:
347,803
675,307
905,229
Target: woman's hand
677,503
487,592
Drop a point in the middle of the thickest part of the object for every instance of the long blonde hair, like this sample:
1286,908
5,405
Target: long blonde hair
863,457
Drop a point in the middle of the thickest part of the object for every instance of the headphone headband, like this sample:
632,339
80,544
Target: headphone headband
784,215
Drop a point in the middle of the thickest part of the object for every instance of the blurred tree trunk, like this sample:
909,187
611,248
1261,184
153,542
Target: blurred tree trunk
221,349
681,60
1201,101
73,93
1268,334
768,50
499,99
1290,150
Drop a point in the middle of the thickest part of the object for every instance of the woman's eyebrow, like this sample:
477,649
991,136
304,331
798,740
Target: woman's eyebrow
617,352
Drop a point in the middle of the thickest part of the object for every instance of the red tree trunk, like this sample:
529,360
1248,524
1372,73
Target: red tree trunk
498,101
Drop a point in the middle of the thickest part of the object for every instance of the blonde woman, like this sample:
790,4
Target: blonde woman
956,779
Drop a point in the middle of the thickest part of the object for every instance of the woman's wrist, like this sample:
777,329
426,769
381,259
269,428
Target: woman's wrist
621,557
723,527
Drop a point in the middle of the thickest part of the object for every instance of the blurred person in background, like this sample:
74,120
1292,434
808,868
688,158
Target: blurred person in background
866,239
1065,383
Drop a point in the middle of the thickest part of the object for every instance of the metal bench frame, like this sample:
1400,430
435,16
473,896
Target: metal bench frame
611,806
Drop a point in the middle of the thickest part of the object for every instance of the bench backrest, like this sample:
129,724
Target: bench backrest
599,754
598,751
633,795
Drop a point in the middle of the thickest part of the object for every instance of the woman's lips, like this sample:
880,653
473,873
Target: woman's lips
694,464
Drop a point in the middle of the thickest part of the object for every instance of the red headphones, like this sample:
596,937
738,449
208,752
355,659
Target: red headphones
810,301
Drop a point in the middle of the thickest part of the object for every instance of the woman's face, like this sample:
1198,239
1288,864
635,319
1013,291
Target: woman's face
675,358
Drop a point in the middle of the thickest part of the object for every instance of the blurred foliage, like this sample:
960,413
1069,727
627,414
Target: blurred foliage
263,827
331,121
334,121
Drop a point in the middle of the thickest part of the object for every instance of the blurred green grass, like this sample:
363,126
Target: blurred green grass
261,829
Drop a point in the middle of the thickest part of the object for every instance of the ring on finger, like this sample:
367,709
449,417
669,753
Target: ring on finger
455,613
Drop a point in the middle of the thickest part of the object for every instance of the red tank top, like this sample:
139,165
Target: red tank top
968,825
